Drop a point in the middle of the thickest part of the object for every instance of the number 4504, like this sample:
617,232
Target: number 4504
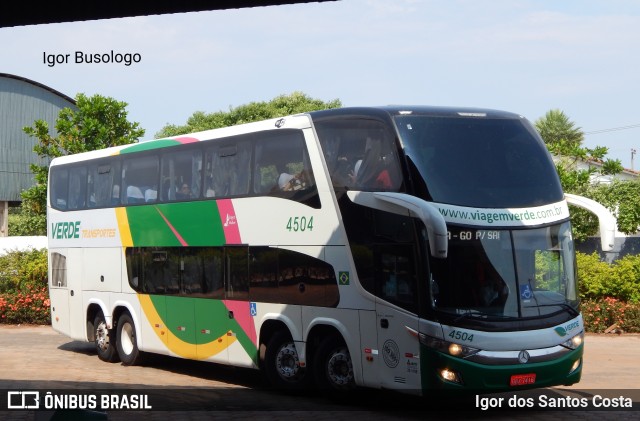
300,223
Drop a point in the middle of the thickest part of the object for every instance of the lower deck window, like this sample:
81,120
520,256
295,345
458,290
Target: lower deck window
263,274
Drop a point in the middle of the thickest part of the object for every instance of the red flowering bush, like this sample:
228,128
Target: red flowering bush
28,306
24,297
601,314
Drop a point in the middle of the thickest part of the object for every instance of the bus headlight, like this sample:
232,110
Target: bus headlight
450,348
450,376
574,342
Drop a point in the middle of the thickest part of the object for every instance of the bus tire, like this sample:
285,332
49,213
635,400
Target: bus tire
333,366
105,339
127,341
282,365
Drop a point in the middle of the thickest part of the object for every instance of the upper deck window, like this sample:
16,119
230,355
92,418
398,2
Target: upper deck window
480,161
266,163
360,154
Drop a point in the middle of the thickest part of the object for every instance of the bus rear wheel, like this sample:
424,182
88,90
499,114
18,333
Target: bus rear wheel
282,363
333,366
127,342
104,340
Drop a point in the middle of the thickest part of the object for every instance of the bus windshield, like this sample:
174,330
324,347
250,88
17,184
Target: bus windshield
479,162
512,273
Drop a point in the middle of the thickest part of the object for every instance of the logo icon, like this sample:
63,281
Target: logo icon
230,220
561,331
564,330
280,122
23,400
391,353
523,357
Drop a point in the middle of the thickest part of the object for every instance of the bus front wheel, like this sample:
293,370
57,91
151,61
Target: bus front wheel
282,364
104,340
333,366
126,340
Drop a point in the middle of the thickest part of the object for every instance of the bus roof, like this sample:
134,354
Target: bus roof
297,121
393,110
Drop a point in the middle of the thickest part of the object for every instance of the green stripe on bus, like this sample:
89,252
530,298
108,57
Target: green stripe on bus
150,145
176,224
198,321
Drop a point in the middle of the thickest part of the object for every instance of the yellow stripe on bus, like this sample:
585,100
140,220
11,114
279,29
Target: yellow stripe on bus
177,345
123,227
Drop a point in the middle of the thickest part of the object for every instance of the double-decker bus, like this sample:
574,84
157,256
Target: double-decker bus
407,248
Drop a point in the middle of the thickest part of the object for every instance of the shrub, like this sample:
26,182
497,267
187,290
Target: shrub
619,280
23,269
600,314
24,297
23,223
28,306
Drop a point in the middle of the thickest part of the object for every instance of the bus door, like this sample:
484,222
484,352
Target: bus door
66,293
397,320
59,291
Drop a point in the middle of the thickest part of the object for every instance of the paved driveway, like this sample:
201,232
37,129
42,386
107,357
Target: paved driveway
36,357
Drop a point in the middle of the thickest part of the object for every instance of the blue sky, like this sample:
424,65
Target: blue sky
525,56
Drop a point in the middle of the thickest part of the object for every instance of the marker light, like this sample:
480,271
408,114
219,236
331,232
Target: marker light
455,349
446,347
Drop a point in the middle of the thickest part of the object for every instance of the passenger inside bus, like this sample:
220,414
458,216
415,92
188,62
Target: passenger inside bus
492,291
115,194
134,195
184,192
290,182
371,171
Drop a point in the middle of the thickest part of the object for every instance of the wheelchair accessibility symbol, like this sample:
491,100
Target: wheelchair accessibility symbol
525,292
253,309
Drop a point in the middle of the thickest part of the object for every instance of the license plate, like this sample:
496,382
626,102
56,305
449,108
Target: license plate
522,379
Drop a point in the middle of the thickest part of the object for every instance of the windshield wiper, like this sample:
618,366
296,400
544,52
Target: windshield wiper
481,315
469,314
571,310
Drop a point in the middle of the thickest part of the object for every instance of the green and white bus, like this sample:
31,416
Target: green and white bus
408,248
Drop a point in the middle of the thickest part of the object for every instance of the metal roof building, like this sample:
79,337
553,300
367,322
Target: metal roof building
22,101
23,13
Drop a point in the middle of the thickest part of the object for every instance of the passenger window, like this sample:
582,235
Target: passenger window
140,180
395,277
104,179
59,188
282,164
227,170
77,188
181,175
237,273
360,154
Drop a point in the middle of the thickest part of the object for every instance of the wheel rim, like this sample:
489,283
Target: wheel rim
102,336
287,362
339,367
127,338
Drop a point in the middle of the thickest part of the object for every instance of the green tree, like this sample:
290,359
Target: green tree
281,106
564,140
97,122
623,199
